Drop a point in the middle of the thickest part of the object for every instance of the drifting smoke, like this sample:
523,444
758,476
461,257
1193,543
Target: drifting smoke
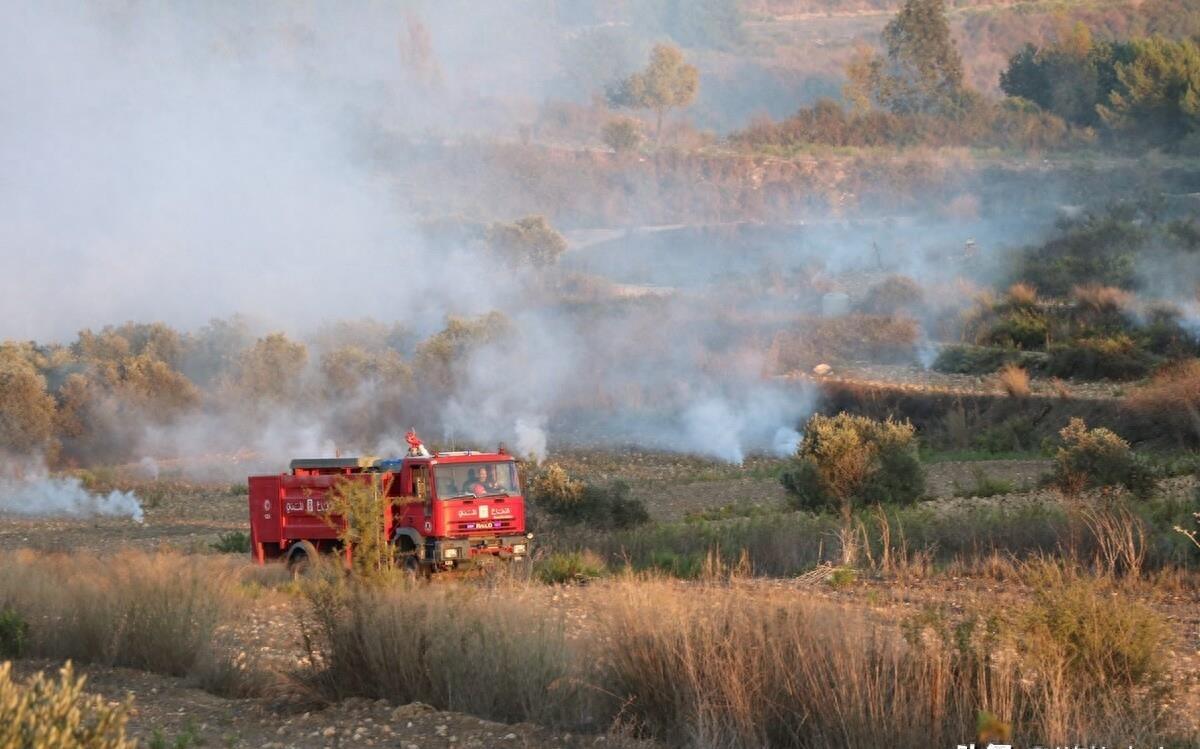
44,496
785,443
531,437
276,160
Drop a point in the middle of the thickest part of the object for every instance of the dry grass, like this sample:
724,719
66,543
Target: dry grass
720,664
488,653
1170,403
1014,380
156,612
817,340
1022,295
1101,299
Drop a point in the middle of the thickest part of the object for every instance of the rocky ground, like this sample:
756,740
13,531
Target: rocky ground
167,709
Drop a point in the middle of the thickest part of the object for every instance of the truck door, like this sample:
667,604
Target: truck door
422,491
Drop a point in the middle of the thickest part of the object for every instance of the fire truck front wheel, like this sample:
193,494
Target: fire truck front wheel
414,569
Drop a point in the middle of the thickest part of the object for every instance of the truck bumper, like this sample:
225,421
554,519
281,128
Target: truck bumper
461,552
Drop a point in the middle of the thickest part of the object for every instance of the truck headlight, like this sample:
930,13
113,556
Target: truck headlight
450,553
519,548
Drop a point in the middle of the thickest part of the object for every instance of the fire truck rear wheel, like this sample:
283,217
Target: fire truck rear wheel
301,558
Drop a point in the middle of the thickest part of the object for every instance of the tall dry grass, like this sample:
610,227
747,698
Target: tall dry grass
731,665
1169,405
492,653
157,612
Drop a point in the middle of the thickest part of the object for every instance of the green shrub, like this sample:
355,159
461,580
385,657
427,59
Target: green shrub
985,486
842,578
359,506
1102,639
1164,335
14,631
573,502
1100,358
847,461
1091,458
233,542
1098,248
1019,328
1014,434
571,567
975,360
622,134
48,713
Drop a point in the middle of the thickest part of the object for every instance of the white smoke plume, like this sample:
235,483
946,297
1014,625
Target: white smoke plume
46,496
531,437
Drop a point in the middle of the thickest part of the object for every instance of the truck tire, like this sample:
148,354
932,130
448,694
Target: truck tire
301,557
413,569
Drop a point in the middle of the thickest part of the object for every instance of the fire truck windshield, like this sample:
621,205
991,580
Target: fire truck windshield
476,479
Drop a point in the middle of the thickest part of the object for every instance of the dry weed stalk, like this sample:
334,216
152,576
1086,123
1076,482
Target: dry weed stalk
1014,380
1194,536
1120,538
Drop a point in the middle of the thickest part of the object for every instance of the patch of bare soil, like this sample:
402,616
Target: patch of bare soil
189,521
946,479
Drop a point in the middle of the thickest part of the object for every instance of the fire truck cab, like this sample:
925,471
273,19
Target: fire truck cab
448,509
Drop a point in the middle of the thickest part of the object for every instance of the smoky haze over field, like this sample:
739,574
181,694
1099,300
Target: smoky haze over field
165,163
175,164
304,165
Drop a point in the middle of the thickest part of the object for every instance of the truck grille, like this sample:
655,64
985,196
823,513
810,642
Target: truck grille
476,526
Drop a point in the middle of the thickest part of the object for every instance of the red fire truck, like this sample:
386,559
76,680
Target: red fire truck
450,509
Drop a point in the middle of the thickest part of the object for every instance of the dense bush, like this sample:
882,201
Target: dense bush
527,241
622,134
1022,328
57,713
856,337
1169,405
893,295
570,567
571,501
1009,124
975,360
14,631
1096,248
1071,624
847,461
1092,458
26,409
1112,358
233,542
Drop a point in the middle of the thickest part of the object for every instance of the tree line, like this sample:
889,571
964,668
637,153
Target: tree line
1135,93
